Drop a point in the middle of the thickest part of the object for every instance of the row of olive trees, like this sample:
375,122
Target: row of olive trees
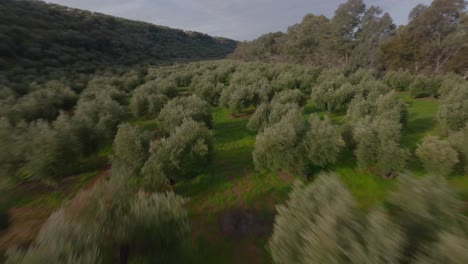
184,150
112,223
320,223
129,216
49,150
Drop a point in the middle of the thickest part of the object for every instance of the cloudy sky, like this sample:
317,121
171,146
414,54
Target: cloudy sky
236,19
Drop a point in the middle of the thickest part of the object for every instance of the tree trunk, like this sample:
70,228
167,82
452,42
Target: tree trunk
123,254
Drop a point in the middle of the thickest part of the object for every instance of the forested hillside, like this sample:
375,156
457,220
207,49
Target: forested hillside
37,39
434,41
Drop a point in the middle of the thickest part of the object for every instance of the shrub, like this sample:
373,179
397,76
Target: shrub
399,80
322,141
206,87
437,155
377,145
147,104
453,109
320,224
425,207
130,149
181,108
277,147
237,97
423,86
459,142
60,240
179,156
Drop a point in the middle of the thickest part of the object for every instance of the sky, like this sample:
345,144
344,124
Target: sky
236,19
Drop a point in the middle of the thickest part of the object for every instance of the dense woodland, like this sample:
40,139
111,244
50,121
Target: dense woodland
359,36
308,153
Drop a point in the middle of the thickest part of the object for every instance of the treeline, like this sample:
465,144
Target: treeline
41,41
433,42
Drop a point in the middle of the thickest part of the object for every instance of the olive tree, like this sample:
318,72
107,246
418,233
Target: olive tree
377,145
322,141
278,146
130,149
48,152
449,248
181,108
437,155
453,109
423,86
237,97
180,155
459,142
399,80
207,88
144,104
320,224
425,207
60,240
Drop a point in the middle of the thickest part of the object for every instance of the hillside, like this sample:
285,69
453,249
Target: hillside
36,38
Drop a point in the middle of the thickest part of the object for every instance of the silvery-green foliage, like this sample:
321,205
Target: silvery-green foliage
372,89
378,144
322,141
399,80
387,106
459,142
278,111
166,86
48,152
267,114
453,109
206,87
61,240
181,108
290,96
382,240
11,151
237,97
423,86
332,95
156,226
362,75
437,155
102,115
44,102
147,103
180,155
424,207
316,225
449,82
449,248
130,149
259,119
278,146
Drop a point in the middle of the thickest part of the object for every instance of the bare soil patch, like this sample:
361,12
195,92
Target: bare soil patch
245,223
